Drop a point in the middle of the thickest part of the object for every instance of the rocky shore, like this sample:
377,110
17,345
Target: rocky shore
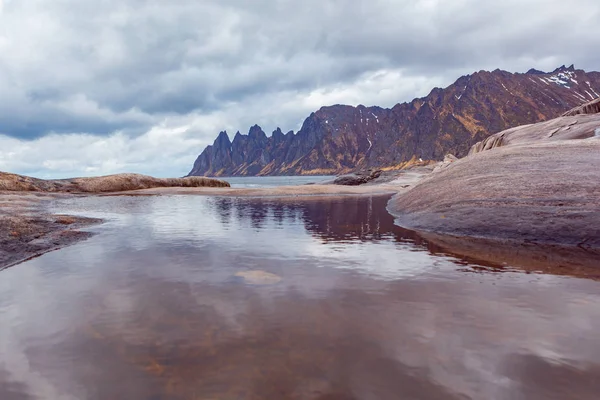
28,230
390,183
100,184
536,185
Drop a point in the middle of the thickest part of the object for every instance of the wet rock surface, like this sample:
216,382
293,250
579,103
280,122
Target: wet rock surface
27,230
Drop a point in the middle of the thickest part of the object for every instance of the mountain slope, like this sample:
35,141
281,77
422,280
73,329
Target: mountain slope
340,138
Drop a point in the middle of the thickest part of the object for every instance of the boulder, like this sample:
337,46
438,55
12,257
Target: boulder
350,180
358,178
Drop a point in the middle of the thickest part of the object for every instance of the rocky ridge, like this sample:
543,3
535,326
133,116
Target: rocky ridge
100,184
339,139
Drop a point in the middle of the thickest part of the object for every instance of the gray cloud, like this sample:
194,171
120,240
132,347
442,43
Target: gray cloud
123,68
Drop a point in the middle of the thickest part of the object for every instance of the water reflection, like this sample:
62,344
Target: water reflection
342,220
151,308
333,219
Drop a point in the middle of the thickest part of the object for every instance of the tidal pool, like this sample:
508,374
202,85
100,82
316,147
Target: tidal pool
189,297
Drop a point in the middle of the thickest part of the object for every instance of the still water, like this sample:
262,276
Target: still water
184,297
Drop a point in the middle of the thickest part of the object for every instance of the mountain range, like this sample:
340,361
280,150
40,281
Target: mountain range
339,139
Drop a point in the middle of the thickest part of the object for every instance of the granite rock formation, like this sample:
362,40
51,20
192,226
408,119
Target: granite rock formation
536,184
340,139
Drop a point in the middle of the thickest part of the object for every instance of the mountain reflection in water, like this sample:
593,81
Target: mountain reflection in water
184,297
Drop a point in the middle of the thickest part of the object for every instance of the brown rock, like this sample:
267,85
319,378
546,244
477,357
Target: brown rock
100,184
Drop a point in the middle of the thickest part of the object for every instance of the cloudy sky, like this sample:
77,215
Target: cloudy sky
104,86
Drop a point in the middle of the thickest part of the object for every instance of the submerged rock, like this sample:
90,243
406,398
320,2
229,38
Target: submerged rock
258,277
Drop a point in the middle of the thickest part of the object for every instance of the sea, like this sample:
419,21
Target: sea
272,181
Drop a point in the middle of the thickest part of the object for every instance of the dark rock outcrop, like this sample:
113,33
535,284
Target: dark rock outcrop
534,71
357,179
340,139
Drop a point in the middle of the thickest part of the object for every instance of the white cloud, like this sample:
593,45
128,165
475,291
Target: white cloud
161,151
171,146
79,73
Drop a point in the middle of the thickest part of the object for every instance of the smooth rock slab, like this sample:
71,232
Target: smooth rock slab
547,192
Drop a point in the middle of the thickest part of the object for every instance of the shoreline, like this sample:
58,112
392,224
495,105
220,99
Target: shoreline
304,191
43,232
500,254
387,185
28,230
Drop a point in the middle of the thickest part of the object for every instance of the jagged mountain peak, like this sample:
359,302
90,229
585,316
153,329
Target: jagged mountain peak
223,137
563,68
277,135
341,138
256,132
534,71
